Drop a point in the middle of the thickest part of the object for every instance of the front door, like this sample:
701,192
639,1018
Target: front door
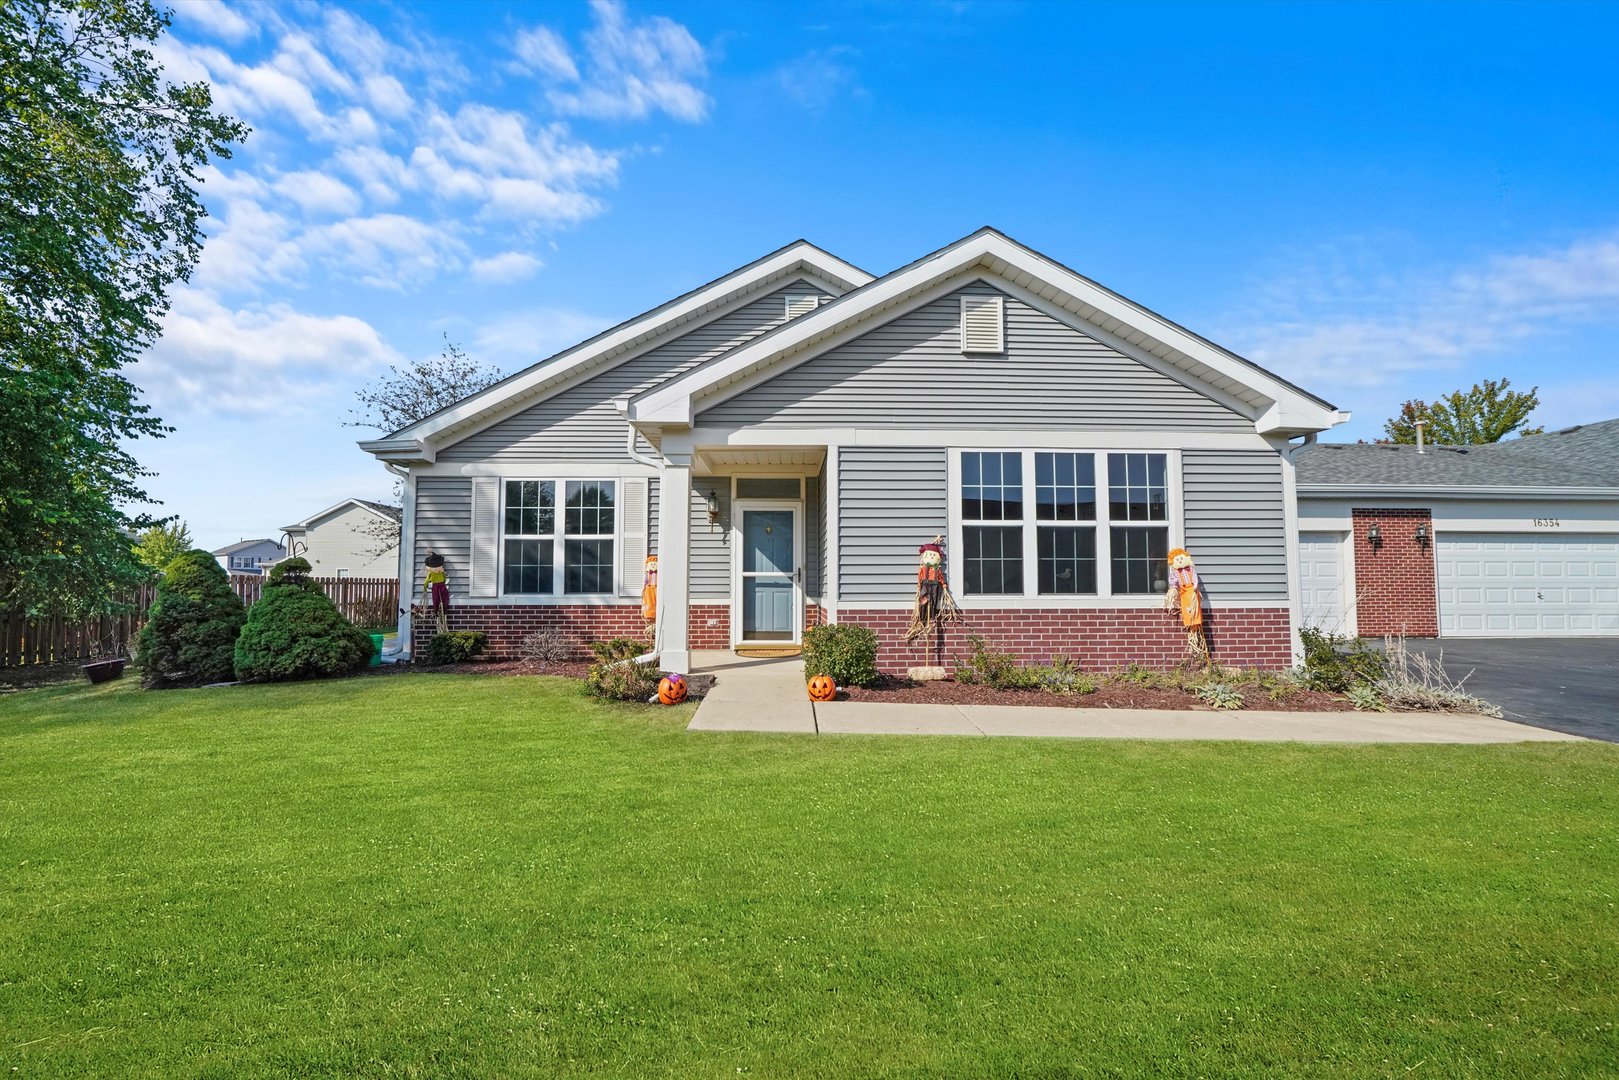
769,575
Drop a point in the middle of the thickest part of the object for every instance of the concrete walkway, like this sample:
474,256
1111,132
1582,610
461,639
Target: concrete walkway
768,695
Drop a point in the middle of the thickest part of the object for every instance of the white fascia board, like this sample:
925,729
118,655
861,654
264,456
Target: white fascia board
309,522
1392,491
654,323
405,452
673,402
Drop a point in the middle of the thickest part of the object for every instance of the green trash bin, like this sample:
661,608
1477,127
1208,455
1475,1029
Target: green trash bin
376,649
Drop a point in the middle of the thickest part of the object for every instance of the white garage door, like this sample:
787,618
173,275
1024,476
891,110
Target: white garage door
1528,585
1322,586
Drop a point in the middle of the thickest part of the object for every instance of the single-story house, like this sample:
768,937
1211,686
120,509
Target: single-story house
785,437
1513,539
248,556
356,538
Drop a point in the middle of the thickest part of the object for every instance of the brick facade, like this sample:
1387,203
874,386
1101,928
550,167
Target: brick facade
1395,587
508,624
1099,638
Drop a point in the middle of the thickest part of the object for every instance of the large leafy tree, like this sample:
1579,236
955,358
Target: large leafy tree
1487,413
99,218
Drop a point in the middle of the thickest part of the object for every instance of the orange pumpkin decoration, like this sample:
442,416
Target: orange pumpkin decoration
822,688
672,690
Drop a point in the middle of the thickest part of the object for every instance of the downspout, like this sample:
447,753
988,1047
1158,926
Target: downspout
657,613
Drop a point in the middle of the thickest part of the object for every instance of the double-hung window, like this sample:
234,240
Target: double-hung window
545,553
1090,523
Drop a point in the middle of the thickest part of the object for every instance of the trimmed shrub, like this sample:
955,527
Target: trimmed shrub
616,676
191,631
845,651
455,646
1335,662
985,666
295,632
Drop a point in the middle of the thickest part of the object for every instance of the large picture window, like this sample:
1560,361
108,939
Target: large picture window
545,556
1096,523
991,491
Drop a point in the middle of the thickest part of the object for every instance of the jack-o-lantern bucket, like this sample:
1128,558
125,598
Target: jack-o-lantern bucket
672,690
822,688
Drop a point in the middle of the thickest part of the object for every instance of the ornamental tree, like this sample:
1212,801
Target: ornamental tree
1487,413
190,634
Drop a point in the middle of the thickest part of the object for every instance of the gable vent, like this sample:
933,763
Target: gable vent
982,325
801,304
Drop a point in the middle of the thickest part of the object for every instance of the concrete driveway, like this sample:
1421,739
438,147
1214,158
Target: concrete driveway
1564,684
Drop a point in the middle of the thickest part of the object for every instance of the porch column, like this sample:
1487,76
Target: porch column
674,562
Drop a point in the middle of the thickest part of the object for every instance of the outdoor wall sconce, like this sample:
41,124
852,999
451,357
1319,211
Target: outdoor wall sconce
1374,536
1422,536
713,508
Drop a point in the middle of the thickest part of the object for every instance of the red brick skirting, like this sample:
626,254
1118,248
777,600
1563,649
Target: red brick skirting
508,624
1099,638
1395,590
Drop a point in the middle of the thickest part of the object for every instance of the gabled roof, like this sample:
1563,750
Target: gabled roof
382,510
243,545
615,345
1278,405
1575,460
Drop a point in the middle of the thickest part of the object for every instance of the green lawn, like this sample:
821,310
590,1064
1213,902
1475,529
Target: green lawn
425,876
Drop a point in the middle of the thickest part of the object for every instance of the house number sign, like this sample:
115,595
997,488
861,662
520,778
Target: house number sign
1548,523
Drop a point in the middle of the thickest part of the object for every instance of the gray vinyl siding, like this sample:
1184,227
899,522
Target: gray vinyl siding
1236,523
890,500
581,423
652,516
443,522
710,544
911,372
821,522
814,521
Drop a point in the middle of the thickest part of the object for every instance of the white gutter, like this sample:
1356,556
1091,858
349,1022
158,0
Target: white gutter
1392,491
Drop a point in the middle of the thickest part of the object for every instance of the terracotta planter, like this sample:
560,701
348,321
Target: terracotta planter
104,670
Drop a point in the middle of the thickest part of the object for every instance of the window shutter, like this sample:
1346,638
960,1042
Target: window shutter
982,325
632,536
801,305
485,536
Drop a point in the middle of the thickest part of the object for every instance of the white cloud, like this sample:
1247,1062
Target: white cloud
819,79
387,250
258,359
318,193
543,52
531,336
507,267
1342,317
215,18
633,67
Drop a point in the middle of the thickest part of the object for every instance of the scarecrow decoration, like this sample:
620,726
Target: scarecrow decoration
934,604
438,589
649,589
1185,594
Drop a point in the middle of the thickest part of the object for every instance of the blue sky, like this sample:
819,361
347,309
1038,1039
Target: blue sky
1376,201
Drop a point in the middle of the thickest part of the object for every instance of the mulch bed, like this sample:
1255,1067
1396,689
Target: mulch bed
1110,695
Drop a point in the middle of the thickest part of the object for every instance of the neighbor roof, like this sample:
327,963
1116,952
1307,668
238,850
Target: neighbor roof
1584,457
382,510
242,545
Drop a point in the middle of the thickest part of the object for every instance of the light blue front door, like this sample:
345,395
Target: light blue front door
769,575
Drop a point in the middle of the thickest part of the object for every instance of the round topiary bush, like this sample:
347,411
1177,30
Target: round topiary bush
190,633
295,632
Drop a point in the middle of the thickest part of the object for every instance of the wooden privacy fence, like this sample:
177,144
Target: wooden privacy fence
54,639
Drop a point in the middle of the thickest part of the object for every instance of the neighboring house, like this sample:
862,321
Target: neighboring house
1512,539
248,556
356,538
785,437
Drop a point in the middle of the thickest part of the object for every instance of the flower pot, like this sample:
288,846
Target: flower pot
104,670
